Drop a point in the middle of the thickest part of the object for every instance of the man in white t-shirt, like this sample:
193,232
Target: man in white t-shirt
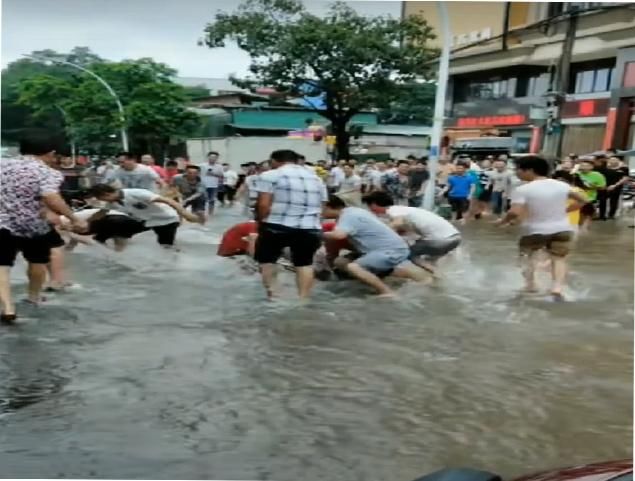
335,177
542,205
212,178
351,181
155,213
132,175
435,236
228,191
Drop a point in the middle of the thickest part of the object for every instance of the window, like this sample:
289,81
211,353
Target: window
599,80
538,85
558,8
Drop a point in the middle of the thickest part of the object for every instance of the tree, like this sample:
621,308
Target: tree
18,120
354,62
414,104
155,106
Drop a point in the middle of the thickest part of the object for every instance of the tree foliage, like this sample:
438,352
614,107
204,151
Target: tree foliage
355,62
154,106
414,104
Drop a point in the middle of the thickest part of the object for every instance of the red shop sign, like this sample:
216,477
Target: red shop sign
585,108
491,121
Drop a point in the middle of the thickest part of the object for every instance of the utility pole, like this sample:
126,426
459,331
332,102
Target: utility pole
439,106
553,134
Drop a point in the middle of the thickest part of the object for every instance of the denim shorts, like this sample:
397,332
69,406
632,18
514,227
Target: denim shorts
383,261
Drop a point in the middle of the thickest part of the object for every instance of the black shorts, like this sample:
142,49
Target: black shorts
588,210
35,250
197,205
273,238
54,238
485,195
166,234
111,226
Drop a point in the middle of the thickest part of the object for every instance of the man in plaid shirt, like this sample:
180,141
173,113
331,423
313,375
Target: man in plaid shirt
289,206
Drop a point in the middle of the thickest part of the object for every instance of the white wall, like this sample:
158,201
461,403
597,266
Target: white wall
398,146
239,150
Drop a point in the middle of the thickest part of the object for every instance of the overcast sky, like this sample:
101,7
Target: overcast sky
118,29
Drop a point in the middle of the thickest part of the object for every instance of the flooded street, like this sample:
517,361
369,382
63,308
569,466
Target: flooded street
172,366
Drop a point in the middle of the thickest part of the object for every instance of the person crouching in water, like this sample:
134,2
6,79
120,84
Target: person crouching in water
383,251
240,240
436,237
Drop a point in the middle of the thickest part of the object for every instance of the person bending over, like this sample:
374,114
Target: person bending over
383,251
436,237
155,213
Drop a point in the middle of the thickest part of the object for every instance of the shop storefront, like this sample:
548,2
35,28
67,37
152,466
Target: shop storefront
584,125
516,126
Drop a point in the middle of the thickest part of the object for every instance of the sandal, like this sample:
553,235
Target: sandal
8,319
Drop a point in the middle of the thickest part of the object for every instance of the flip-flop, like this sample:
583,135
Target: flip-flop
8,319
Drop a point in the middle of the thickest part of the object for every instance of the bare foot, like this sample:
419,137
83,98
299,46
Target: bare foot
530,289
387,295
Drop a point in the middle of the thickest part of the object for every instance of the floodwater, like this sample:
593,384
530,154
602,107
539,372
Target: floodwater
172,365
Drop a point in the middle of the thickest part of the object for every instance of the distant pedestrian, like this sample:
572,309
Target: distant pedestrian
212,177
228,190
148,160
460,189
132,175
397,183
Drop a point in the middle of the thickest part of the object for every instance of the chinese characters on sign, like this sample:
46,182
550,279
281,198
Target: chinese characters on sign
471,37
491,120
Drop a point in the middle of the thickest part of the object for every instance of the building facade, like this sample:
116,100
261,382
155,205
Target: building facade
556,77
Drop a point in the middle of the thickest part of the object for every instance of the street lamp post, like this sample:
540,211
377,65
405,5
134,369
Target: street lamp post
70,128
122,115
439,106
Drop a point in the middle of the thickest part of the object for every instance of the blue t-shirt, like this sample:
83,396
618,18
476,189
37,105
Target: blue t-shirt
460,185
368,233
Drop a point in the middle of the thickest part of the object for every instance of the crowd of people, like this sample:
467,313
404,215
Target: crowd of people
328,220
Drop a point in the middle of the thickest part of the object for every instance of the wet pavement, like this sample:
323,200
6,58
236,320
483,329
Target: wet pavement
168,366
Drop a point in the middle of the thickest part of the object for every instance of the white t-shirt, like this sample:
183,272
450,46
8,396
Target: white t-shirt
351,184
428,224
335,178
211,175
230,178
546,203
138,204
141,177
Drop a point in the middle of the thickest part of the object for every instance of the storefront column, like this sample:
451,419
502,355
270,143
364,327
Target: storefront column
536,135
609,133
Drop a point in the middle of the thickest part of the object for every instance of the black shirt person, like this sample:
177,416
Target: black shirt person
616,176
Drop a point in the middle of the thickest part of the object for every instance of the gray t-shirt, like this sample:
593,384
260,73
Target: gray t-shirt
368,233
187,188
500,181
141,177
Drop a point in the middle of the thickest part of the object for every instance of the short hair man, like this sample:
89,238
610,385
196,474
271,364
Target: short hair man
543,205
157,213
289,204
383,251
436,237
132,175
